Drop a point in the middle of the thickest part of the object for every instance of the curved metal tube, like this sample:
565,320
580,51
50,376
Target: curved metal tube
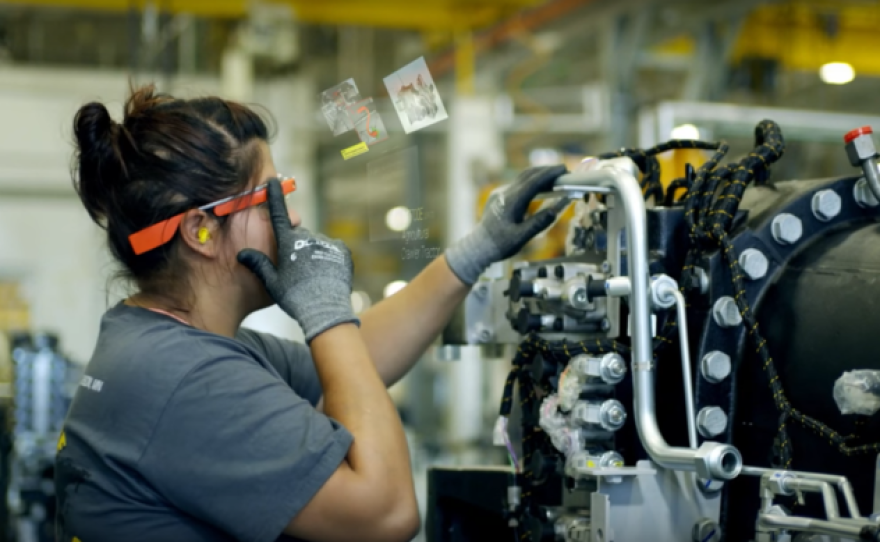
690,410
829,497
842,483
817,526
713,459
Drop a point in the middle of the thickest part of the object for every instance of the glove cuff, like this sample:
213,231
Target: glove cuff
472,255
319,308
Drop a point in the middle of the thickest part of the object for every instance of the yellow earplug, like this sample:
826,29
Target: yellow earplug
204,235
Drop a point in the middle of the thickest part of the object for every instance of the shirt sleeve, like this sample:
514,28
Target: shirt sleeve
292,360
238,449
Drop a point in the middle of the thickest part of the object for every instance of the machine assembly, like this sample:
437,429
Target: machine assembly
700,368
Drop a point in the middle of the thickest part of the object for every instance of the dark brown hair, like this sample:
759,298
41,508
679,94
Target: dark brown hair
167,156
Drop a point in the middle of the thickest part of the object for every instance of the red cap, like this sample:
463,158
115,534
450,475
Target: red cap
864,130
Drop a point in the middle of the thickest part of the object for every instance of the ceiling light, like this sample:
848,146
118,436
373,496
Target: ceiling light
394,287
685,131
837,73
398,219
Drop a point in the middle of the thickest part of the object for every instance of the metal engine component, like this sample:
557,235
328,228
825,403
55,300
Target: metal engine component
711,421
787,277
44,385
610,368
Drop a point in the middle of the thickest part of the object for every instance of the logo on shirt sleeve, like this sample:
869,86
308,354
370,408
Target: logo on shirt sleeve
91,383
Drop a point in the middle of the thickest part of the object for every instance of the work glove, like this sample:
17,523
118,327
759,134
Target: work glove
503,232
312,280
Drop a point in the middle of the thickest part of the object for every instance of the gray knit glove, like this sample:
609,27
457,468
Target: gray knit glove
312,281
502,232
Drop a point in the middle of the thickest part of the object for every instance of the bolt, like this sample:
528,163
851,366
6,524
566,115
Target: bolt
580,296
606,267
616,367
616,415
709,486
753,263
715,366
711,421
863,194
826,205
706,530
787,229
726,312
606,324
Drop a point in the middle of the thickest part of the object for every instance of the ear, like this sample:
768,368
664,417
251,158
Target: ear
194,221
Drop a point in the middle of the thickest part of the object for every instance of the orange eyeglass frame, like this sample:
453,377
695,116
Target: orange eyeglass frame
158,234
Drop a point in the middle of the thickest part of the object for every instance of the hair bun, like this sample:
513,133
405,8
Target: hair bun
98,162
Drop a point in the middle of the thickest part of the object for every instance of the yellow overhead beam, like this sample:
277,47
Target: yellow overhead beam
402,14
803,36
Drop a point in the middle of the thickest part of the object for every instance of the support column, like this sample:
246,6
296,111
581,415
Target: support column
474,143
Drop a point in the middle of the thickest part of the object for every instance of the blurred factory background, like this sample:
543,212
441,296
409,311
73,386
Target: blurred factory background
524,82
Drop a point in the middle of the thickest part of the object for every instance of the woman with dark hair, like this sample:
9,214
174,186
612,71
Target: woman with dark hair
187,428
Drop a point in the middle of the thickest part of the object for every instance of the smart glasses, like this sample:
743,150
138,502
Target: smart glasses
158,234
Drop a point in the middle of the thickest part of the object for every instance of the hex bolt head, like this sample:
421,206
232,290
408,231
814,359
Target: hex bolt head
787,229
726,313
753,263
826,205
706,530
863,195
715,366
711,421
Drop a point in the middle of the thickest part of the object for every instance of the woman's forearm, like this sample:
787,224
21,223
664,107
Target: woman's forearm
398,330
356,397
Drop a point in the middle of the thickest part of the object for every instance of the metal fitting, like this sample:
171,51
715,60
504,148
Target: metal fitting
586,460
787,229
609,415
776,482
618,287
717,461
711,421
706,530
753,263
708,486
483,334
826,205
726,313
863,195
662,288
610,368
715,366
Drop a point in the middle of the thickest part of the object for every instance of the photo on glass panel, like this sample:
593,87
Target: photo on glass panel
367,122
334,104
415,96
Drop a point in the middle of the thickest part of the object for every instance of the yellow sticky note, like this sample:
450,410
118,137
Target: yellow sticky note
62,441
591,465
356,150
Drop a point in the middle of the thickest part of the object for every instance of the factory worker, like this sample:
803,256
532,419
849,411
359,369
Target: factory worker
187,428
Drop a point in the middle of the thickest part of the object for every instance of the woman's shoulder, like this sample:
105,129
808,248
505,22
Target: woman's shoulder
138,341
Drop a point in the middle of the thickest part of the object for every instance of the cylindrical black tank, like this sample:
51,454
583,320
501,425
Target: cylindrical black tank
820,319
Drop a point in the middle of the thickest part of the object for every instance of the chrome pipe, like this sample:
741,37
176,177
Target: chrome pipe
712,459
829,497
816,526
842,482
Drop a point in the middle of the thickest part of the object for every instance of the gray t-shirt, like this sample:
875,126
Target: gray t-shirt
180,435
